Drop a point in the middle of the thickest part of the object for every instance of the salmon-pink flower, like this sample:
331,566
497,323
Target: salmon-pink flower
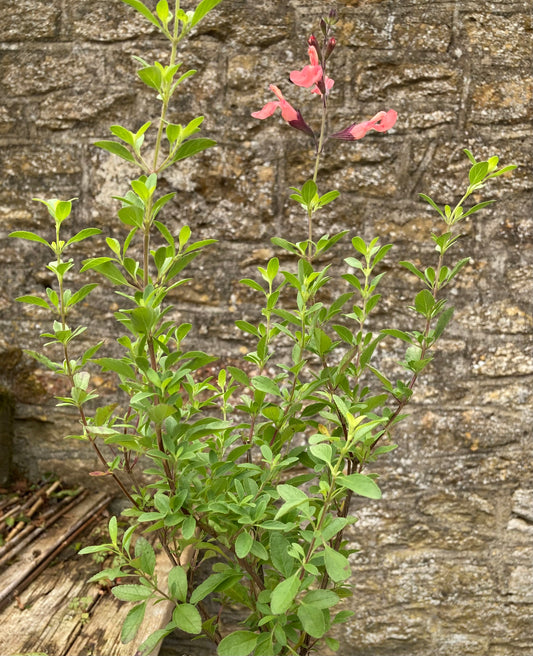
381,122
313,74
310,74
288,113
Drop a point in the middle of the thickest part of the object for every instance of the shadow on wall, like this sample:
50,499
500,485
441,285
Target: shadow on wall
7,412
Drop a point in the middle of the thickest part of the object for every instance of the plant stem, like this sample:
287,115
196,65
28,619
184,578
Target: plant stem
321,138
315,173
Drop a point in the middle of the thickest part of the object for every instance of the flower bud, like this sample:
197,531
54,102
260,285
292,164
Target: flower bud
324,27
313,42
330,47
321,86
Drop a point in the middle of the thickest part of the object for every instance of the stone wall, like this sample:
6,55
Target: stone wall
445,566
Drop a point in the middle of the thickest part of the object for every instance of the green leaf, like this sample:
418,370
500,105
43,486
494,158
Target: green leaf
131,216
413,269
321,598
113,529
132,622
424,303
203,8
215,582
177,583
131,592
118,366
111,574
264,384
332,643
265,645
476,208
362,485
187,618
381,253
192,147
162,11
161,202
58,209
469,155
192,127
238,643
343,616
322,452
110,271
259,551
33,300
503,170
44,360
123,133
243,544
337,565
239,375
433,204
248,328
83,234
286,245
116,149
478,172
360,245
281,559
183,77
400,334
95,548
151,76
188,528
312,620
81,294
272,268
291,494
328,197
284,593
309,191
146,555
253,284
458,267
147,647
442,322
335,526
29,236
143,9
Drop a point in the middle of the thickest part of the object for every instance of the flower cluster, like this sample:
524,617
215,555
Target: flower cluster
313,76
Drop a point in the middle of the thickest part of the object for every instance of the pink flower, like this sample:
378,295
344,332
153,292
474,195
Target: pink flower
313,75
309,75
381,122
288,113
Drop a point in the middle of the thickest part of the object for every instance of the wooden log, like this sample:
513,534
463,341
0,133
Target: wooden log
32,531
10,513
46,617
30,508
55,611
62,615
31,562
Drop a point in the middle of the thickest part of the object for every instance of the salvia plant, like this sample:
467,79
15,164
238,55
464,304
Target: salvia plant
246,476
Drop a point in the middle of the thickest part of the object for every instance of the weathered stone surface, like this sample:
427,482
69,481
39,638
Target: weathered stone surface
444,567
